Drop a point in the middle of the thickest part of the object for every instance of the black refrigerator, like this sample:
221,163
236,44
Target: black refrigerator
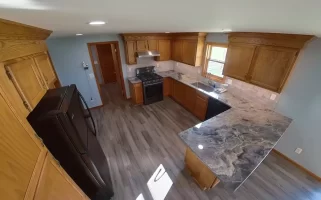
68,130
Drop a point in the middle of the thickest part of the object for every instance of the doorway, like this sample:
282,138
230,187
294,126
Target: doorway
105,59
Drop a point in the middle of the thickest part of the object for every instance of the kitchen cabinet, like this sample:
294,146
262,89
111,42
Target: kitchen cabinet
202,175
28,82
46,70
200,105
136,93
54,183
271,66
179,92
238,60
263,59
131,52
164,48
177,50
152,45
167,86
190,98
141,45
188,48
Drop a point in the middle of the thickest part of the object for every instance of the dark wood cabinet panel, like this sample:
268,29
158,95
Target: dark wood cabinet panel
136,93
167,86
200,106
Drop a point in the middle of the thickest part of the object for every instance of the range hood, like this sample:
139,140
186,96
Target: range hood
144,54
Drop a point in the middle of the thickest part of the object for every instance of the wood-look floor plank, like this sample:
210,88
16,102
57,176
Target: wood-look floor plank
137,139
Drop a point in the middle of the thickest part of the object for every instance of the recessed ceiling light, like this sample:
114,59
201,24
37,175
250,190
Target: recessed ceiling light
97,23
167,32
78,34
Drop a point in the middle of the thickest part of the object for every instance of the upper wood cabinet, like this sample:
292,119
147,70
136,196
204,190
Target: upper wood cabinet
271,66
141,45
46,70
54,183
164,48
182,47
152,45
19,154
28,82
177,50
238,60
263,59
188,48
131,52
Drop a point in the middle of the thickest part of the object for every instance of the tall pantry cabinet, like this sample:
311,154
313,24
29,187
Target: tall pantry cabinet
27,169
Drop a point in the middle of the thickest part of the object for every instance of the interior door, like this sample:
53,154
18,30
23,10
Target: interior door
27,80
19,153
55,184
271,66
238,60
106,63
44,65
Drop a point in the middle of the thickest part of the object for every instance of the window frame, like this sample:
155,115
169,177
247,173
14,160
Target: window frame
207,53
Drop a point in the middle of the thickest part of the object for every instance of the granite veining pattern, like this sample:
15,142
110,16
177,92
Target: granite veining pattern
234,143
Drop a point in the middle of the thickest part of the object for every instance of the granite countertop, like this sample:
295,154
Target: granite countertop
134,80
235,142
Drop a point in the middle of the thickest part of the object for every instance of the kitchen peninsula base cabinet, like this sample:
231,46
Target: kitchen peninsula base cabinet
202,175
167,87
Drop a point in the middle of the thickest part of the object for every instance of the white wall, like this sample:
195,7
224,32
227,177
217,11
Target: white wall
67,55
301,100
217,37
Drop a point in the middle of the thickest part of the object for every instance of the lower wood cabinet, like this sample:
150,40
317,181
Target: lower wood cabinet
190,99
136,92
200,106
167,86
202,175
54,183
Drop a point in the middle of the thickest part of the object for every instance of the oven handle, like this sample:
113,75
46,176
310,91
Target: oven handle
153,84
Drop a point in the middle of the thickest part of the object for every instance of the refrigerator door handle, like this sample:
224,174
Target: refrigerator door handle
91,117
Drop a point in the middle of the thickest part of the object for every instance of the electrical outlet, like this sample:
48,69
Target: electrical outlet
298,150
91,76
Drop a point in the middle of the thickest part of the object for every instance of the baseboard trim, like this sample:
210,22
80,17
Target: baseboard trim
96,107
297,165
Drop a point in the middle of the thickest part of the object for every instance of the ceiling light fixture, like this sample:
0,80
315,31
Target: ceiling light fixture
97,23
79,34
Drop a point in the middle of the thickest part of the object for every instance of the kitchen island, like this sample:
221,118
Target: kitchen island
228,148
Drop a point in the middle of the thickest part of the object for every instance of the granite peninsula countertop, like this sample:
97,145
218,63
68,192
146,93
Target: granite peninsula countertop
235,142
134,80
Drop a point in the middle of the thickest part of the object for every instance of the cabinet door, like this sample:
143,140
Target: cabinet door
152,45
27,80
190,98
19,154
164,48
271,66
167,86
136,93
238,61
131,51
141,45
189,52
46,70
177,48
55,184
200,106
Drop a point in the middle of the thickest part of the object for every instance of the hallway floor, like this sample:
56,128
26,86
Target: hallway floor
137,139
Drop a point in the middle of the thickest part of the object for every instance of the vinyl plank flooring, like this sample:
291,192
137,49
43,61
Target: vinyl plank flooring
137,139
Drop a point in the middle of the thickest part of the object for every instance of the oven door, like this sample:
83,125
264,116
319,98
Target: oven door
153,93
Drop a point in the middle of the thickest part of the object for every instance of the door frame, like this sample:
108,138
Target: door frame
119,67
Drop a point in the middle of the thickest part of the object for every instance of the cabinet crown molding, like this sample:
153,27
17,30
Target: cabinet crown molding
270,39
15,31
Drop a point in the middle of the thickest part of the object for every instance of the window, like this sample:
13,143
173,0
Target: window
214,61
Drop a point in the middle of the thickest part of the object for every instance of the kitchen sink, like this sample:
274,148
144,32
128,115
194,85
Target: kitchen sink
202,86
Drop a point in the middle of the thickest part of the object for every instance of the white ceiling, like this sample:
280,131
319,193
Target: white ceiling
68,17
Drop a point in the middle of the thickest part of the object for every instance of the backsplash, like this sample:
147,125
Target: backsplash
149,61
252,90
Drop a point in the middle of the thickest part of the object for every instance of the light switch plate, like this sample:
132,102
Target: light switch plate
298,150
91,76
